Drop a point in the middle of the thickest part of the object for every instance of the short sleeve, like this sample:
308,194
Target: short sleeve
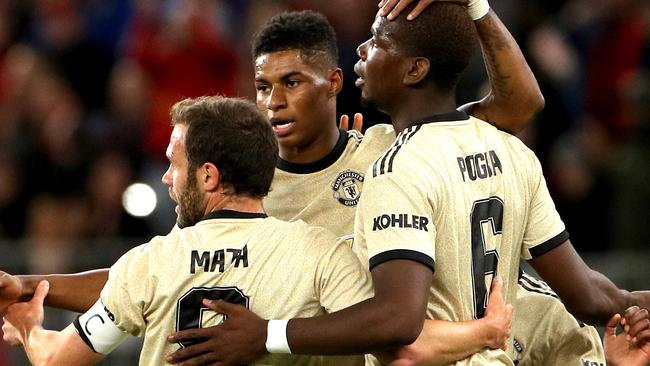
125,292
397,218
544,229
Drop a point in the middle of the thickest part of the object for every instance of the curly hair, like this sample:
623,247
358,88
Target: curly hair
443,33
307,31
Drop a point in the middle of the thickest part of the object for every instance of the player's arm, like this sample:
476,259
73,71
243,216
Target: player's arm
586,293
74,292
514,98
392,318
444,342
23,326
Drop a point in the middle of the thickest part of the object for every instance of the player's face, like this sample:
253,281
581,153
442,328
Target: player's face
378,66
294,95
183,188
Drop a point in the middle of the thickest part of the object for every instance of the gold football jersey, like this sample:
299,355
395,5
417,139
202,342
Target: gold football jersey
545,334
455,194
277,269
325,193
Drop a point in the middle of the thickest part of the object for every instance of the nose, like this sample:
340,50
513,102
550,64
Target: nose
167,177
276,99
361,50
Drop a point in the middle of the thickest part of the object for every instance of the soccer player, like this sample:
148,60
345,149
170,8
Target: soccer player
222,155
301,140
452,194
321,169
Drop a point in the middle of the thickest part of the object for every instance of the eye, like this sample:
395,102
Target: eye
292,83
262,88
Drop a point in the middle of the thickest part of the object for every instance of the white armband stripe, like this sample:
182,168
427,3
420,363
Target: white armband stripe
97,329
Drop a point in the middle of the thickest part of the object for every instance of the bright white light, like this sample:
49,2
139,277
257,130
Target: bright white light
139,199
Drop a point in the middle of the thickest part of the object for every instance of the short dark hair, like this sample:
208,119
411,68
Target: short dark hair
234,135
443,33
306,30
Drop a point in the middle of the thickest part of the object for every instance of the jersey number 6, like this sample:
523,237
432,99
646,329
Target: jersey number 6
484,261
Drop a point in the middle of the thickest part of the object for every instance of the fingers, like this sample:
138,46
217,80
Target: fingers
221,306
419,8
192,352
344,122
610,329
496,291
357,124
190,334
638,323
41,292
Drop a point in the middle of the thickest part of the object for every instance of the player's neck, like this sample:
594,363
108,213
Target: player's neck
313,150
419,105
234,202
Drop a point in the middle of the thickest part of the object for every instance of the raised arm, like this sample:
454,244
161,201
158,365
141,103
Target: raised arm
514,98
23,326
586,293
75,292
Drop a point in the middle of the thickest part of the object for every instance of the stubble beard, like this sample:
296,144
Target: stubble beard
189,204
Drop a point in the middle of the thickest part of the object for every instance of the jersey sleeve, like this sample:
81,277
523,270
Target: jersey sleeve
125,293
544,229
397,218
343,280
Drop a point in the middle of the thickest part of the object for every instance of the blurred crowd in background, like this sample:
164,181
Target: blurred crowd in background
86,85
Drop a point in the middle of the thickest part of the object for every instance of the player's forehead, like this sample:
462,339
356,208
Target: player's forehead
280,63
176,147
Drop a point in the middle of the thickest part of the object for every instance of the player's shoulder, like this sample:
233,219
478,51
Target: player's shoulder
380,135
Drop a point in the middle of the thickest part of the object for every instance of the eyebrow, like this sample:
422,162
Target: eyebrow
283,77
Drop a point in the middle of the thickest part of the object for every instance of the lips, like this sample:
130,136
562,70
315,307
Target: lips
281,127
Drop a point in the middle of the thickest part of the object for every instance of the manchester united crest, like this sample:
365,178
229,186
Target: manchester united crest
347,187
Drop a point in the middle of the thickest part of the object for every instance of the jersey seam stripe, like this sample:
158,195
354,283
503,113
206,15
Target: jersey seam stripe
533,288
392,152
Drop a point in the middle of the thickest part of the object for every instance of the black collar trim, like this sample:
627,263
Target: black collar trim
231,214
318,165
444,117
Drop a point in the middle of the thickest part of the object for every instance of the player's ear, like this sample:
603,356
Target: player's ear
418,68
210,176
335,78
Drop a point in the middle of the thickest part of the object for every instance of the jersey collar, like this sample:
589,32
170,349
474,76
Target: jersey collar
231,214
444,117
318,165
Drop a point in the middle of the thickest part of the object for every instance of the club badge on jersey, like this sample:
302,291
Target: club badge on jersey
347,188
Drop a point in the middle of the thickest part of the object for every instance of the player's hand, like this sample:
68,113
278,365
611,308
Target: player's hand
392,8
623,349
240,339
10,290
497,321
357,123
22,317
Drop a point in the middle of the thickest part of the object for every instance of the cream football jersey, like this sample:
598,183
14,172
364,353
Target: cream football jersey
326,192
279,270
545,334
455,194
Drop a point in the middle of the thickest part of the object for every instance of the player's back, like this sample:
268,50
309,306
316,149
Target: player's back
278,270
458,196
